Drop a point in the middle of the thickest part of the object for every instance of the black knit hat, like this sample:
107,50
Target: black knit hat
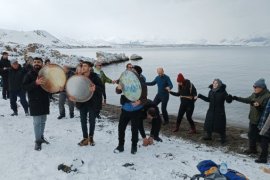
138,69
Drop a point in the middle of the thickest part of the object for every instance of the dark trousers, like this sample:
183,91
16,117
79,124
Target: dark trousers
187,108
141,127
264,146
104,93
13,100
125,117
61,105
164,101
5,91
156,124
253,136
84,111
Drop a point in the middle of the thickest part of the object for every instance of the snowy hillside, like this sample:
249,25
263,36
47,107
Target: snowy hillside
171,159
28,37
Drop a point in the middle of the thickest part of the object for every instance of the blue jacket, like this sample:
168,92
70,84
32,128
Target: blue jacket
162,82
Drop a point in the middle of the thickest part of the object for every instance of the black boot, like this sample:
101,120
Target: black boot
251,150
44,140
71,115
133,149
61,116
119,149
14,113
38,145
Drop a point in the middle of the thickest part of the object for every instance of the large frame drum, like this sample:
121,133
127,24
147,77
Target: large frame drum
54,77
78,87
131,85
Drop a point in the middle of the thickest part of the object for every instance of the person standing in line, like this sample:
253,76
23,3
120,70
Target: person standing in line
16,74
215,120
91,107
104,79
4,67
264,128
257,100
39,102
164,85
187,93
63,97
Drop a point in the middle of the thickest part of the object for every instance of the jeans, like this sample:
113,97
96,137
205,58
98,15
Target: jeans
13,100
39,126
84,110
62,101
164,101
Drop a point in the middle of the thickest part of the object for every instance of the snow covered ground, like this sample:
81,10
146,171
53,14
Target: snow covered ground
171,159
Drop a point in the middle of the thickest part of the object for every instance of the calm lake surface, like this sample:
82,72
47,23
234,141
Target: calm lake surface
237,67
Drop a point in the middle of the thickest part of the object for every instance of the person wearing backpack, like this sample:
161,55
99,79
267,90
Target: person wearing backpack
187,92
215,120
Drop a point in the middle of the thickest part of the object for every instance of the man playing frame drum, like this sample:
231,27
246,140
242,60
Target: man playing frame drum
92,106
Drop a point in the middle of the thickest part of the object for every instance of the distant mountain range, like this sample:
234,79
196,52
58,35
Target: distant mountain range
45,38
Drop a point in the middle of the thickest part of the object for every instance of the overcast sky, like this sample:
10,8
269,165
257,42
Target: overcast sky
182,20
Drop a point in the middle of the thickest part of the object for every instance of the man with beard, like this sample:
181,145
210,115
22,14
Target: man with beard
16,74
91,107
4,67
38,101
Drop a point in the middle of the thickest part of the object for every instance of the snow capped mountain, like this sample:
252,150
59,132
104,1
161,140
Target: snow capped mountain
28,37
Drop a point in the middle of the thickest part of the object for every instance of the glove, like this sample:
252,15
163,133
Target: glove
229,98
199,96
235,98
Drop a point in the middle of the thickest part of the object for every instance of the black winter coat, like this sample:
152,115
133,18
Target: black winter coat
4,63
15,79
188,90
95,102
39,102
215,120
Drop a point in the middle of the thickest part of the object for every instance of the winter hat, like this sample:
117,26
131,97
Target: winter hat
180,78
138,69
13,61
260,83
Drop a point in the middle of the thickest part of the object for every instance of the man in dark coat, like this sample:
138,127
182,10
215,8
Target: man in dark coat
16,75
91,107
38,101
4,67
215,120
187,92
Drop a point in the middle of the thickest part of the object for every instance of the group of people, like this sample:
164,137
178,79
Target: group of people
18,80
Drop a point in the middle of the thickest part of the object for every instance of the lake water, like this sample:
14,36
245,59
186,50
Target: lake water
237,67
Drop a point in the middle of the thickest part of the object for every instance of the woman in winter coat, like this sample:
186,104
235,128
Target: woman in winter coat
187,92
215,120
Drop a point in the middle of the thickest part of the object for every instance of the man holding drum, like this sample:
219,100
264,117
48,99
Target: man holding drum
90,107
38,101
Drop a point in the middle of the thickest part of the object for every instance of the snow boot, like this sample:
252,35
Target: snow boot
91,141
38,145
133,149
61,116
44,140
14,114
84,142
118,149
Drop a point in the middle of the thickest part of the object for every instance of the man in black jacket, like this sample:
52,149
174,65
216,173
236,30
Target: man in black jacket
4,67
16,74
38,101
91,107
